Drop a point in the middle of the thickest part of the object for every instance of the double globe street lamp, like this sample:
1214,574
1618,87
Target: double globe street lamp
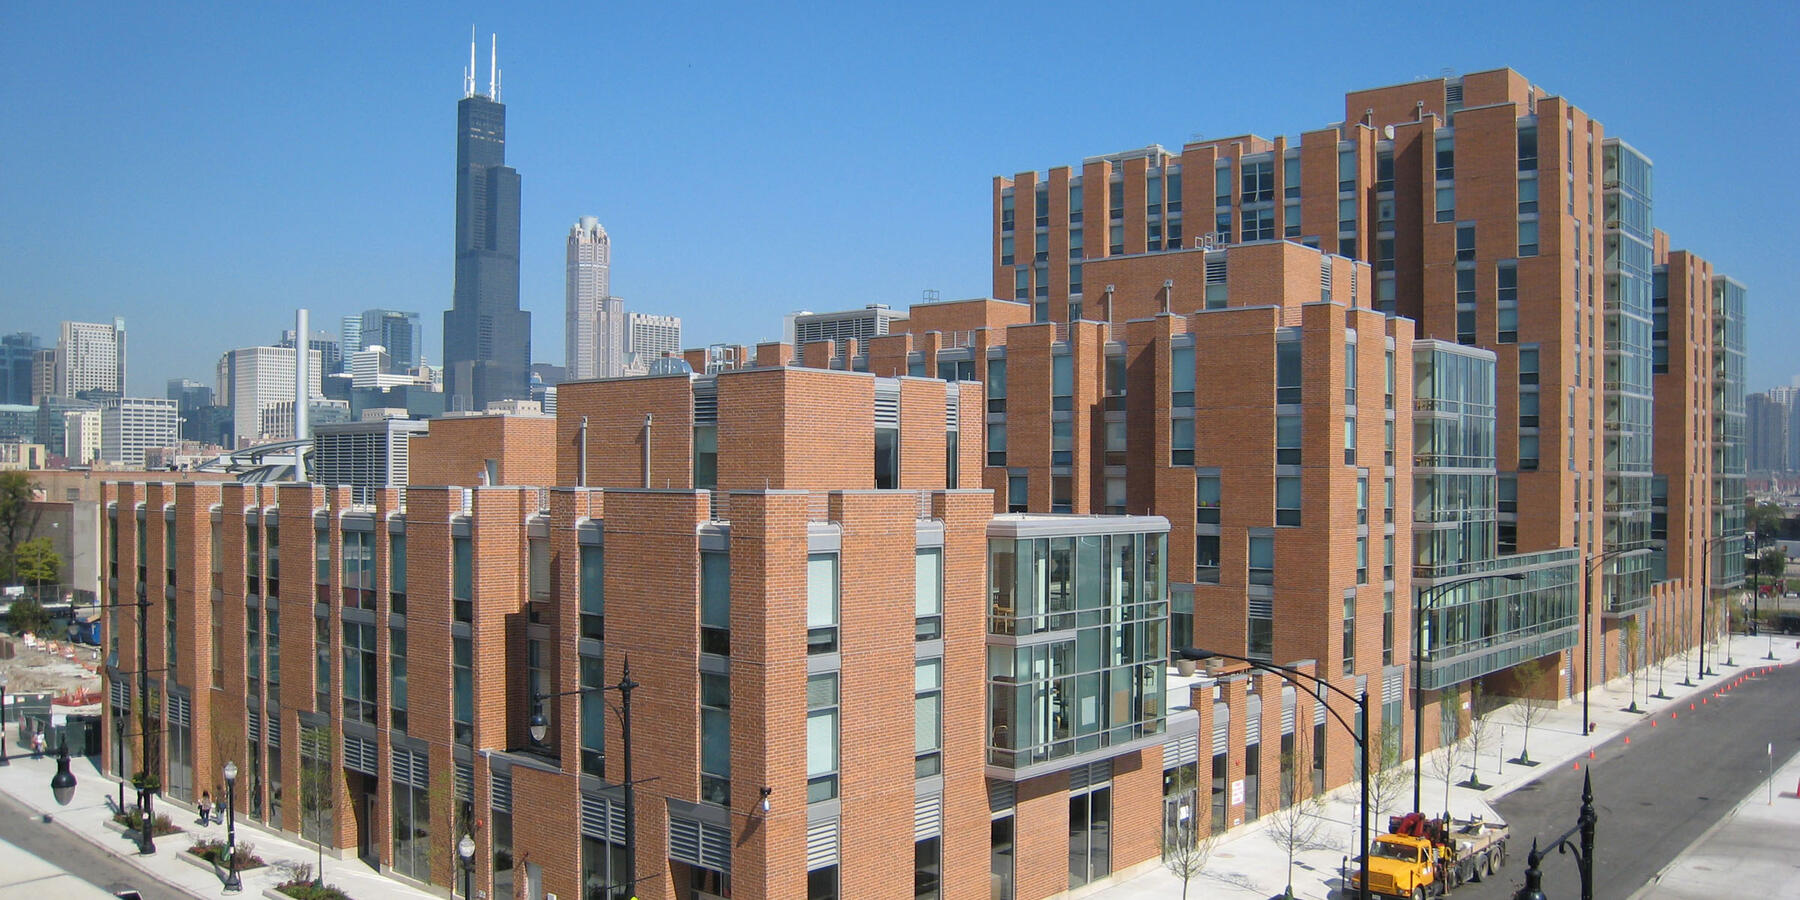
232,882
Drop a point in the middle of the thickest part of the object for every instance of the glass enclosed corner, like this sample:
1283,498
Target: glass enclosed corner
1077,645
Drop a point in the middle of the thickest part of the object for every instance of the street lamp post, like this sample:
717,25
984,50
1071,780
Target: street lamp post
540,727
1361,699
465,848
1587,629
1583,852
146,797
3,760
232,882
1706,595
1427,599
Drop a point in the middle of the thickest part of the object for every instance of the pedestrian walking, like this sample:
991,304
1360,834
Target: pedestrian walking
37,745
205,807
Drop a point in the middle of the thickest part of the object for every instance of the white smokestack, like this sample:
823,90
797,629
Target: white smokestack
302,383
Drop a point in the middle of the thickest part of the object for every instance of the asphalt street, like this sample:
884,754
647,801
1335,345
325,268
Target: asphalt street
52,842
1656,794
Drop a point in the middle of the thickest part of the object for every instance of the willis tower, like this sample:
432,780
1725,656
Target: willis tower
487,338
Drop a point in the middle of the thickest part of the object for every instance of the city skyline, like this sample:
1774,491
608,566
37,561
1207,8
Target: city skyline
650,178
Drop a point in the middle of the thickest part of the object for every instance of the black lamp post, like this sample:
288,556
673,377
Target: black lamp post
3,760
146,797
62,784
1583,852
1706,595
539,728
465,848
232,882
1587,628
1361,699
1427,599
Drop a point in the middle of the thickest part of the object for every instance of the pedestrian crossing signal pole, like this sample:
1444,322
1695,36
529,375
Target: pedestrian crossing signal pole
1771,770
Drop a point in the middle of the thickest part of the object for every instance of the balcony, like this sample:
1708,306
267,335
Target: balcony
1500,622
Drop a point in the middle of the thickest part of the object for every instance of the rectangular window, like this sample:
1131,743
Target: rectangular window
1528,409
1387,626
361,668
397,574
1287,440
706,456
1528,148
1259,181
1006,250
996,443
715,602
1346,170
1017,493
1288,372
1349,440
1075,239
928,866
397,678
462,688
928,594
1173,184
928,713
1528,452
1181,377
538,553
1206,491
1062,383
1115,443
1446,204
1181,442
1362,500
1528,195
1262,559
1446,158
1021,283
821,603
1362,559
1528,365
1062,443
887,458
1384,171
1528,238
593,716
1074,204
1259,224
322,663
1465,242
1349,645
715,738
996,385
1349,374
1115,495
1062,494
1206,558
462,566
1090,836
593,592
821,737
1287,500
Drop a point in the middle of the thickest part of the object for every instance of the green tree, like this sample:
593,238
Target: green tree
318,789
1763,518
1533,705
15,495
37,561
27,616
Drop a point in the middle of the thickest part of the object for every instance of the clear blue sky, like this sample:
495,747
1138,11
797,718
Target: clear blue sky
204,170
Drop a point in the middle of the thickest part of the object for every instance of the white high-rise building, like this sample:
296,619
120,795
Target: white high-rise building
90,356
253,379
649,337
81,436
594,325
131,425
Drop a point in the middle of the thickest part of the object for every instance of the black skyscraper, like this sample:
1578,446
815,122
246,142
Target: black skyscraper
487,338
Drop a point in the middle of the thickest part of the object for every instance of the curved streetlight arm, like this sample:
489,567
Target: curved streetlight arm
1199,655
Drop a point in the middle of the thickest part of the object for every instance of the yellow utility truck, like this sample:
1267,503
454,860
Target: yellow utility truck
1422,858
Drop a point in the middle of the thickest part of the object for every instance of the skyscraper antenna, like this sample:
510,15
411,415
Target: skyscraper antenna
494,68
469,73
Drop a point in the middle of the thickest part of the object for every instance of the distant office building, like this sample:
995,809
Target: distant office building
90,356
331,353
544,395
857,324
16,354
372,368
278,418
594,320
397,331
350,334
648,337
192,398
546,373
487,337
19,456
50,425
366,456
131,425
18,422
252,379
43,374
82,436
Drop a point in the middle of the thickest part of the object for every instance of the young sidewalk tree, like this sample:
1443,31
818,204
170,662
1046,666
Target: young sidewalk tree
318,789
1388,779
1296,826
1633,657
1482,707
1186,857
1532,707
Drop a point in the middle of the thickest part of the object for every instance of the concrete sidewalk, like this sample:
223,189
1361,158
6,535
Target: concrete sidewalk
88,816
1752,847
1248,864
27,877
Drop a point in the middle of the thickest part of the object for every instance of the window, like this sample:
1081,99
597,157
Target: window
593,716
1062,383
1287,440
1181,377
928,594
1017,493
706,456
1206,558
462,566
1259,181
252,558
1528,238
715,602
1041,247
397,574
1075,289
1350,374
462,688
412,828
1181,442
538,552
1465,241
1290,216
322,663
397,678
1006,250
1346,170
1384,171
1153,196
1075,238
1387,621
1000,857
1062,443
1528,148
1287,500
1446,204
1206,491
821,737
1115,495
1528,409
1041,206
1021,283
593,592
1259,224
928,710
1362,559
1115,199
1387,557
1074,204
1287,372
1528,452
1349,440
821,603
996,443
1062,497
361,672
1173,190
1006,211
887,458
1362,500
1528,195
1528,365
928,857
715,738
1349,645
996,386
1446,158
1262,559
1115,443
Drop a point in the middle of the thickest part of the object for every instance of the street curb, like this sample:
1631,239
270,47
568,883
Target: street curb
94,839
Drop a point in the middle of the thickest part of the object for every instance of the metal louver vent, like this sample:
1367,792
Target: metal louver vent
701,844
360,755
181,711
1221,728
821,844
706,402
465,781
412,769
502,792
1181,751
953,408
1002,795
1215,269
887,404
928,817
601,818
